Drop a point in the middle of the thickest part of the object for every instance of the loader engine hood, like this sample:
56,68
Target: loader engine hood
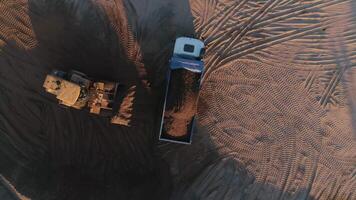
66,92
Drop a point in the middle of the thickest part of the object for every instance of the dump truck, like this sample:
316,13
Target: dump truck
182,88
76,90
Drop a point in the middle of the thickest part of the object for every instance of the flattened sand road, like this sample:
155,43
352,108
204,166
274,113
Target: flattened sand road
276,115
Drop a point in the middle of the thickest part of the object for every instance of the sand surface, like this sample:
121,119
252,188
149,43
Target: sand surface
276,113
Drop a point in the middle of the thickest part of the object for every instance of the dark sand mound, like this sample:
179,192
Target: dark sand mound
63,153
276,113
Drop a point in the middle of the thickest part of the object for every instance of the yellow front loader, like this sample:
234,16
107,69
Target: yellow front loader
75,89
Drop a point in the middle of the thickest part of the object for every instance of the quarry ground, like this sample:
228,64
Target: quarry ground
276,112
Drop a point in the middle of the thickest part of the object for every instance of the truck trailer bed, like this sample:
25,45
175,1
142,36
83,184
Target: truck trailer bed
180,104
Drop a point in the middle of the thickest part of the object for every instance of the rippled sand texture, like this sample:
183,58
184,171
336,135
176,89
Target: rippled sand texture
279,98
8,191
276,113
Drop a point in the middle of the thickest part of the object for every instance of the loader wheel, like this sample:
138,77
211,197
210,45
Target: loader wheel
81,74
106,113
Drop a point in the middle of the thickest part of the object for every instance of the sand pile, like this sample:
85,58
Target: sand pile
276,113
181,104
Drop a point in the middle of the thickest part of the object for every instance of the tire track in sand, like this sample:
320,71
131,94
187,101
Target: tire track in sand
8,192
284,145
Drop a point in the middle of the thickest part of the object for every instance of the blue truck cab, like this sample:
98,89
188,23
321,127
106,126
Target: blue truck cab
182,88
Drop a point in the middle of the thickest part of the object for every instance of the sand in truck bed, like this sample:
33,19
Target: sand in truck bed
181,103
